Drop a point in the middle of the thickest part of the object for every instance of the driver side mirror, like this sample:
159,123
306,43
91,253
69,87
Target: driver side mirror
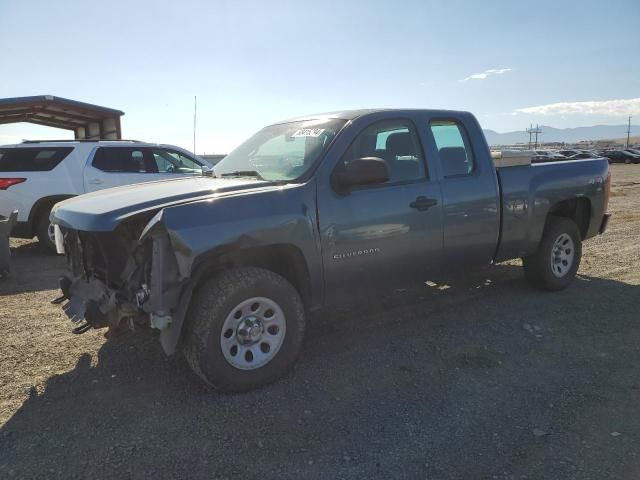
362,171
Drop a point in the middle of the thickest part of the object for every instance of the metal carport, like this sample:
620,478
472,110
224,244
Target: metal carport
91,122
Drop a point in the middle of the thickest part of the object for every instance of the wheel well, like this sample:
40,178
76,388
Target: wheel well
285,260
43,204
577,209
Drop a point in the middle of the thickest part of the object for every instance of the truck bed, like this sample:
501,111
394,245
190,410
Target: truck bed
529,192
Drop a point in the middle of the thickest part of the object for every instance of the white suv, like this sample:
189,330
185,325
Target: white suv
34,175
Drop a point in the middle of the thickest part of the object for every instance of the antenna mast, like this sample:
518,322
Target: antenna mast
195,107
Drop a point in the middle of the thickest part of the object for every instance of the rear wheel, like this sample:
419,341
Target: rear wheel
555,264
245,329
45,232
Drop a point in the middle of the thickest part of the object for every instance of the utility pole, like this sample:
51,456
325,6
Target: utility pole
628,130
195,106
533,131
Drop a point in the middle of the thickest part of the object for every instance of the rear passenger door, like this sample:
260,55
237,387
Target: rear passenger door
116,166
471,220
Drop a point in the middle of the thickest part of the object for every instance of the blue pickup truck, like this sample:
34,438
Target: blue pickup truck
310,212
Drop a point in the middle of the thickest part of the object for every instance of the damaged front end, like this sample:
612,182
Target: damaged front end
123,279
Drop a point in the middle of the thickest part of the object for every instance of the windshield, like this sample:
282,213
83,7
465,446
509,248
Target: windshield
281,152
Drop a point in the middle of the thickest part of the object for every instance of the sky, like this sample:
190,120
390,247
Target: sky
252,63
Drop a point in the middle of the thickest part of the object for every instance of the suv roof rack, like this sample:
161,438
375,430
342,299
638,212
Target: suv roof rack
83,140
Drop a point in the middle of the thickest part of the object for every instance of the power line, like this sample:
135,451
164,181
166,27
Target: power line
628,131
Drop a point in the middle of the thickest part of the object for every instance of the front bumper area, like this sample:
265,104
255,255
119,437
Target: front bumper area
93,291
93,302
118,281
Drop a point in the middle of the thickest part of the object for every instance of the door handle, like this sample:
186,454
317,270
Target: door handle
95,181
423,203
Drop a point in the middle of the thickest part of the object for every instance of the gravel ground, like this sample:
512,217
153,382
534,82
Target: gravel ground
487,379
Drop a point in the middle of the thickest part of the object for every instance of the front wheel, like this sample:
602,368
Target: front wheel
245,329
45,232
555,264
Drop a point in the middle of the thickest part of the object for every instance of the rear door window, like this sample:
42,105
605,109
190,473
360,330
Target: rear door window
454,148
121,159
32,159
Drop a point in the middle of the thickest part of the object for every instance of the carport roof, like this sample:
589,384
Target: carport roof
55,112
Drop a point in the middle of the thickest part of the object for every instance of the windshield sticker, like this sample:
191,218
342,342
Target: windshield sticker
308,132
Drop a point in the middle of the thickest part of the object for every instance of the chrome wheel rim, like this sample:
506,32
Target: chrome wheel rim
51,233
253,333
562,255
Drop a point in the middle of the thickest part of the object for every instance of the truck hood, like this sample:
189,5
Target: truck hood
105,209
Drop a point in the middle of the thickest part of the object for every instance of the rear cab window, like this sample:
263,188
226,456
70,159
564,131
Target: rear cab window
454,148
32,159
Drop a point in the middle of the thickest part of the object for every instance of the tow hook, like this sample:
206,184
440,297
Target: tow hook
82,328
59,300
65,285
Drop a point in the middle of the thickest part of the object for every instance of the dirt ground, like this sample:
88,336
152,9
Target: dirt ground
487,379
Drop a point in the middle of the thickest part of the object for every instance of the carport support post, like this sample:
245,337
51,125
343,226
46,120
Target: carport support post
109,129
94,131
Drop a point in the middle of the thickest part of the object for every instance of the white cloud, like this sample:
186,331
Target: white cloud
486,73
614,108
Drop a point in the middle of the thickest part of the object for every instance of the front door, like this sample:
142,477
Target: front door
384,235
170,163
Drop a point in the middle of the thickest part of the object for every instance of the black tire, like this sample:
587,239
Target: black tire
538,267
41,226
214,301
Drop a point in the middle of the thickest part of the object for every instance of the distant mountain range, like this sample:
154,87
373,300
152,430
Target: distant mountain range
569,135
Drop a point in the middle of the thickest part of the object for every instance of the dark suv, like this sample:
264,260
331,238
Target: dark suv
621,156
